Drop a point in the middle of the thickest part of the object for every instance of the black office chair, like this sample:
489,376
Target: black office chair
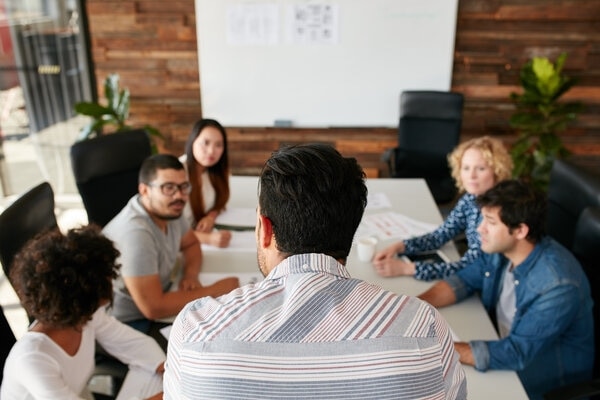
7,342
586,247
30,214
429,129
106,171
570,191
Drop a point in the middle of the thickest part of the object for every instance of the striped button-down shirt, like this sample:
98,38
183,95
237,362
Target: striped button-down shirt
310,331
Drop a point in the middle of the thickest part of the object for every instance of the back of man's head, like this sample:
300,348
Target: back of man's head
519,203
155,162
315,199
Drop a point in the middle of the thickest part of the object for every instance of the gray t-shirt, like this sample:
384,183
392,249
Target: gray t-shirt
145,250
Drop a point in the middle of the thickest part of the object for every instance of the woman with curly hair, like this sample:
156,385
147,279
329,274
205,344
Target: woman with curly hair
477,165
207,164
65,282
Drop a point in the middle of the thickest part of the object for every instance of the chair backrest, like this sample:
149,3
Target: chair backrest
430,121
570,191
106,171
30,214
429,129
586,247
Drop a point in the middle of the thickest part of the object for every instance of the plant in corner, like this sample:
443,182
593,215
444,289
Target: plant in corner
538,117
115,113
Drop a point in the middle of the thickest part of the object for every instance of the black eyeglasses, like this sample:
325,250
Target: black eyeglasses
170,188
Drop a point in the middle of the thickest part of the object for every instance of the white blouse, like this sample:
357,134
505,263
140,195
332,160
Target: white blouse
38,368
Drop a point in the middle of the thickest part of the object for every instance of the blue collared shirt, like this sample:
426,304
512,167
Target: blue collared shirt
551,341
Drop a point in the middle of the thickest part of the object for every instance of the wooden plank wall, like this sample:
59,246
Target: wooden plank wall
152,45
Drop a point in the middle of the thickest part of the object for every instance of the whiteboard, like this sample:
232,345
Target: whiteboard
256,69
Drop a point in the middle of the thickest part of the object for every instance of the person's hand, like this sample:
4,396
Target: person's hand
389,252
207,223
189,283
387,267
161,368
465,353
219,238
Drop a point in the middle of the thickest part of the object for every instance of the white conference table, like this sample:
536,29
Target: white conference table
412,198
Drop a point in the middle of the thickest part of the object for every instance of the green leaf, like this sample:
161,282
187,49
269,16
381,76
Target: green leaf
560,62
122,106
152,131
539,116
94,110
111,90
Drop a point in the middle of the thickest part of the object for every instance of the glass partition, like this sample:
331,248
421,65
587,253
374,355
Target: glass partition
44,71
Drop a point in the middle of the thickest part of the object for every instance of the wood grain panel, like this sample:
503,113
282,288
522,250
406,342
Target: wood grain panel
152,45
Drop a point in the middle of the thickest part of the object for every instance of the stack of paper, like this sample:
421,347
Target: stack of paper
391,225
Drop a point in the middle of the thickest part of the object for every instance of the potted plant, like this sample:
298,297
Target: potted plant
539,116
115,113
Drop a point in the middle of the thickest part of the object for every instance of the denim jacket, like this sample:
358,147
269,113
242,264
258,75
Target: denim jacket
551,341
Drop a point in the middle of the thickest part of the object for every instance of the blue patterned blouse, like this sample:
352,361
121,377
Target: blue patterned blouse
464,217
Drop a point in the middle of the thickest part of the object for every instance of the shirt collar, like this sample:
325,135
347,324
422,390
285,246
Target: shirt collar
522,269
309,263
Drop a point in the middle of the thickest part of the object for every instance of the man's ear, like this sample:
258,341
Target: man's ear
142,188
265,231
521,231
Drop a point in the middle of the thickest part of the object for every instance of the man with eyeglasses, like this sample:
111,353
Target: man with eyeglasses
150,233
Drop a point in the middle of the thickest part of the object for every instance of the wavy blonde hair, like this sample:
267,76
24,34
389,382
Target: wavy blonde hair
492,151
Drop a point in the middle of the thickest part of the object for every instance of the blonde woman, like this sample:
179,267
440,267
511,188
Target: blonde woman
477,165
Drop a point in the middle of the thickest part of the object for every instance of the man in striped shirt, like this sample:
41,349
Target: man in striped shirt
310,331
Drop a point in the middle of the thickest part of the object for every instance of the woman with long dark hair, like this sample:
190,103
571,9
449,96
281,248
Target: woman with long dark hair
207,164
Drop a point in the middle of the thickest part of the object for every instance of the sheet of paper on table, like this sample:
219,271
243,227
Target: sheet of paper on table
140,384
391,225
376,201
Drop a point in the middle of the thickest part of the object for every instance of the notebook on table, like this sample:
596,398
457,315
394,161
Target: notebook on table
140,384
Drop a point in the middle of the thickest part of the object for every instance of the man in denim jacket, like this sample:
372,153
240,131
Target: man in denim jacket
533,288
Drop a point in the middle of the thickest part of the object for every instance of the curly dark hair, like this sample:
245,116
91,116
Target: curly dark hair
61,280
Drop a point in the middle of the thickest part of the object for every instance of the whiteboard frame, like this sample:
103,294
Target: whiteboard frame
383,48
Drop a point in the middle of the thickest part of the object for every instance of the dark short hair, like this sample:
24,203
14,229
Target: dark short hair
315,199
152,164
519,203
61,279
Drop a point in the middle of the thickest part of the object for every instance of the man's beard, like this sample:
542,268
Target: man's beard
262,263
168,217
